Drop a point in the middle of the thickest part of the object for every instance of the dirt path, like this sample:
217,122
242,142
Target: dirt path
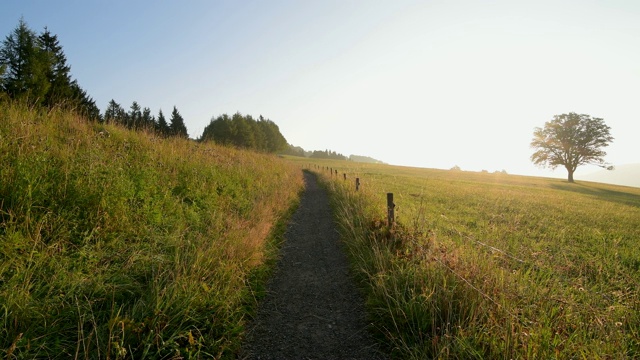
313,309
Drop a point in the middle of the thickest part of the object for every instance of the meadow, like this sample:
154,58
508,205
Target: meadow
491,265
119,244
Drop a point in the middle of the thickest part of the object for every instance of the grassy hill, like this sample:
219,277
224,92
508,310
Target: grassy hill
487,266
119,244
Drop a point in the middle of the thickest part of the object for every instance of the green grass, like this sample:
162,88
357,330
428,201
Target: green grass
116,244
493,265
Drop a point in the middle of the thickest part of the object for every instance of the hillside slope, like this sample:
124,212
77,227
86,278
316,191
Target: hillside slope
125,244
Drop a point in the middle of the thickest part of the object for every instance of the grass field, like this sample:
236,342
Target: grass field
118,244
493,265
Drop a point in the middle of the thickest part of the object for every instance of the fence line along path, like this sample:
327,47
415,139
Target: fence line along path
313,309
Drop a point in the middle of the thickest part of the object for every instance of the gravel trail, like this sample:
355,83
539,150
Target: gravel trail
313,309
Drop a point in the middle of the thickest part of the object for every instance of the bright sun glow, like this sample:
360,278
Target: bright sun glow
420,83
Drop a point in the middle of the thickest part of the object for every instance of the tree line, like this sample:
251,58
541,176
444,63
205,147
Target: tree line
34,69
138,118
327,154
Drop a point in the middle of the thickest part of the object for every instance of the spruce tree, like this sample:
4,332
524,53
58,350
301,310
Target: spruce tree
114,113
3,69
147,120
161,126
57,71
34,68
177,126
134,117
25,65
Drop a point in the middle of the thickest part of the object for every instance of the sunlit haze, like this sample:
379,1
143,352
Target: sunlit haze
420,83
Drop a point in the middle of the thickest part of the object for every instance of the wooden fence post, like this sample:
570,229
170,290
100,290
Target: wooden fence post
357,184
391,217
344,175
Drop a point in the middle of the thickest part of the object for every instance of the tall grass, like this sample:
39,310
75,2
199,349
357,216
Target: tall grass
116,244
493,265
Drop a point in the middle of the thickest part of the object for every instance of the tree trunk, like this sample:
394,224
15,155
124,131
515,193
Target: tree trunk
570,177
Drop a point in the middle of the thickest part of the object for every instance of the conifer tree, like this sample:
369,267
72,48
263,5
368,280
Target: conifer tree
35,68
177,126
147,120
57,71
161,126
114,113
134,117
25,65
3,69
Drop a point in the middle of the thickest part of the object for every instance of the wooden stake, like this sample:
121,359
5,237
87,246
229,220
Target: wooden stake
391,217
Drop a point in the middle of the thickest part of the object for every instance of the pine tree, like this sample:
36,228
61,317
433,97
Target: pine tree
161,126
177,126
57,71
114,113
35,68
3,69
25,65
134,117
147,120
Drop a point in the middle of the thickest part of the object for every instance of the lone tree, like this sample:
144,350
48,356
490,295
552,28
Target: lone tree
571,140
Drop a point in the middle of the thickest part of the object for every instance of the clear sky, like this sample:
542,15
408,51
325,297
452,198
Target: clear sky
420,83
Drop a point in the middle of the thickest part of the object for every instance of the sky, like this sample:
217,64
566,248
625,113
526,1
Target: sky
431,84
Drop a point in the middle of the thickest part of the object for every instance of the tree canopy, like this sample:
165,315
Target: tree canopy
245,132
571,140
